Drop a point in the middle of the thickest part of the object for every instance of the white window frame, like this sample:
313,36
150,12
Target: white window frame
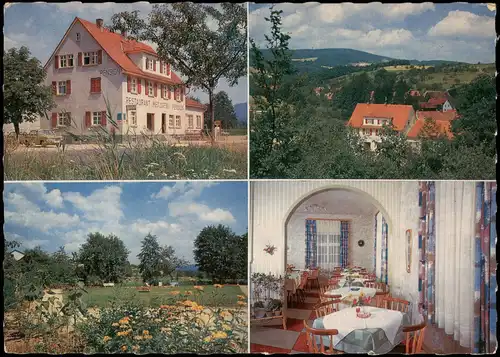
78,36
198,121
133,85
149,64
92,56
328,250
171,121
164,91
65,59
190,121
133,118
60,85
96,118
61,119
150,89
178,122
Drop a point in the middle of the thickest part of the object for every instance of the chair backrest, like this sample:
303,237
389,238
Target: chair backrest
382,286
369,283
414,337
315,273
312,341
396,304
379,298
329,306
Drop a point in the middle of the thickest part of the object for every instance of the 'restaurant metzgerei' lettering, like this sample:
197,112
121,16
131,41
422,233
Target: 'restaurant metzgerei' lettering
145,102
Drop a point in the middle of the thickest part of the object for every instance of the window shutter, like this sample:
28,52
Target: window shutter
56,62
54,88
98,84
154,65
139,81
161,66
169,91
87,120
68,87
129,85
80,59
54,120
103,118
99,56
156,89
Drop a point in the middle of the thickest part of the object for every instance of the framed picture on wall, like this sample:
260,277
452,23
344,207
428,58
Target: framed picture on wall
408,250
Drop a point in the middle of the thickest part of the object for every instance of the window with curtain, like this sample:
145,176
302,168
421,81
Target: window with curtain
327,243
328,250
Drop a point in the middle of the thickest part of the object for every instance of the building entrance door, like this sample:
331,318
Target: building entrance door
163,123
150,121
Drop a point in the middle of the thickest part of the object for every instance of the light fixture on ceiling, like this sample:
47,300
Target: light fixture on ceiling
314,208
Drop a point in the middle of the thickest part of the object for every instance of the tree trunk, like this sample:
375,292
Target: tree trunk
16,128
212,119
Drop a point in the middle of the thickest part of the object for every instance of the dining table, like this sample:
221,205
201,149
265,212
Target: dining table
349,294
292,282
378,333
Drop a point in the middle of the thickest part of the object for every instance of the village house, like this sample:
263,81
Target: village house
369,119
440,126
92,67
437,100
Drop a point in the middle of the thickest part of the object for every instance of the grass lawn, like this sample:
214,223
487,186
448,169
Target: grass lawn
100,297
156,162
238,131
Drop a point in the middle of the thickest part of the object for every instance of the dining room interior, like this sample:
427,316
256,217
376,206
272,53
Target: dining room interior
373,267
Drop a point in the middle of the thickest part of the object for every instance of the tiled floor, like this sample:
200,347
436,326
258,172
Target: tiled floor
272,338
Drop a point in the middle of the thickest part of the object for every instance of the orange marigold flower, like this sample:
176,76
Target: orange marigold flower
225,314
124,348
106,338
197,287
197,308
217,286
242,297
242,303
145,332
188,292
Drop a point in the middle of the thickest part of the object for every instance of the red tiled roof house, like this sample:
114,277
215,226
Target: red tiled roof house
368,120
92,64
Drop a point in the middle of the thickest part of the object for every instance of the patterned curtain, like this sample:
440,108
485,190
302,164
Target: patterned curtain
384,251
485,314
344,243
311,241
427,249
375,245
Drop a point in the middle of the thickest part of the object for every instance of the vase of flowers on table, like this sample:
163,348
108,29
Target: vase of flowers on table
360,303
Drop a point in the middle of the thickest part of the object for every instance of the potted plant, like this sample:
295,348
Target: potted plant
275,306
259,309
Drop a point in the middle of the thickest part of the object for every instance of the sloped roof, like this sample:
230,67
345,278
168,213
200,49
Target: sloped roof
190,102
436,115
117,47
444,127
437,101
397,112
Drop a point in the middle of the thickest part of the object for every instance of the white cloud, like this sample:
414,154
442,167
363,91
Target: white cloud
101,205
186,190
464,23
202,211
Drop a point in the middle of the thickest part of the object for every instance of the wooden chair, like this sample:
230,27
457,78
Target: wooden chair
369,284
313,278
329,306
312,343
379,298
414,338
396,304
300,290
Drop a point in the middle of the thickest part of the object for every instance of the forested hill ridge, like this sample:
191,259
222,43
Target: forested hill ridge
306,60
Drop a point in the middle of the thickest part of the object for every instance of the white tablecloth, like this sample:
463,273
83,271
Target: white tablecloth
346,292
346,321
356,280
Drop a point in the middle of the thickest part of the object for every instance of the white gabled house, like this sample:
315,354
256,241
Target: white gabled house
92,65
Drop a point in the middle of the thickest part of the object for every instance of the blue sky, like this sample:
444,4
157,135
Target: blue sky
62,214
456,31
40,27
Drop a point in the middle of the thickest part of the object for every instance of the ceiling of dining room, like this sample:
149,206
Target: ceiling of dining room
338,202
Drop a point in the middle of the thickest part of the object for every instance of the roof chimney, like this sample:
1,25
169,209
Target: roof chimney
99,23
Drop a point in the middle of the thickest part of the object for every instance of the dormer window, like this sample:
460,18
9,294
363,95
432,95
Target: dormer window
149,64
78,36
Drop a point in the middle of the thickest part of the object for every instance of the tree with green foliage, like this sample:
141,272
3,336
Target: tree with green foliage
104,259
205,43
219,251
25,95
150,258
169,261
224,111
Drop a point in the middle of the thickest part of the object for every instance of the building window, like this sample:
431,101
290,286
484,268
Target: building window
95,85
170,121
149,64
178,121
164,68
150,88
328,249
133,85
177,94
63,119
89,58
371,131
96,118
190,122
65,61
198,121
61,88
133,118
164,89
78,36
